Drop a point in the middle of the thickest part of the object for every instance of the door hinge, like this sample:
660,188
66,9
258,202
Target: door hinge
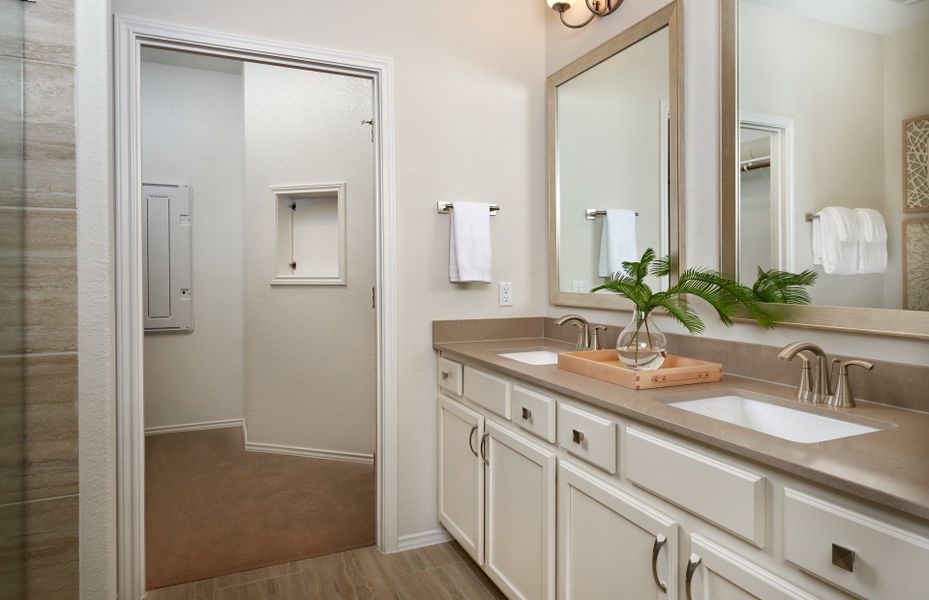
371,123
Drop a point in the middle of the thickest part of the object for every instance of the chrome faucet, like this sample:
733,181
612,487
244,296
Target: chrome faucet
821,391
583,330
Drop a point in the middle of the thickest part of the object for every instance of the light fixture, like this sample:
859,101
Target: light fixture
597,8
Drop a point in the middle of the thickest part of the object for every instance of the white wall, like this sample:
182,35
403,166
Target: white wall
310,354
701,186
470,95
906,63
609,152
192,134
839,132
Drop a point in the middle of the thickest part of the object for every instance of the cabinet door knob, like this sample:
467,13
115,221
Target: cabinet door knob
660,541
527,414
577,436
844,558
471,440
692,563
445,374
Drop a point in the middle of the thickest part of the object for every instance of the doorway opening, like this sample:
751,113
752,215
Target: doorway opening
267,393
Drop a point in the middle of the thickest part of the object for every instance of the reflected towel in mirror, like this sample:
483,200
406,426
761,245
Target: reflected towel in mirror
838,240
469,243
872,245
617,241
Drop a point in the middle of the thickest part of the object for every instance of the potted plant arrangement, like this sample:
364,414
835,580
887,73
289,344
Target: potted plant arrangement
642,345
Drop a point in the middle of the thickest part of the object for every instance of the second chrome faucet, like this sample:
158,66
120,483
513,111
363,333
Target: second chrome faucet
815,384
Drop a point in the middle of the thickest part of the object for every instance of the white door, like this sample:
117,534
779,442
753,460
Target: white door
520,515
611,545
717,573
461,476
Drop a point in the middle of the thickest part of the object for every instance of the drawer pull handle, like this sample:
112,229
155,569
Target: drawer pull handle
660,541
692,563
577,436
446,375
843,558
471,440
483,448
527,414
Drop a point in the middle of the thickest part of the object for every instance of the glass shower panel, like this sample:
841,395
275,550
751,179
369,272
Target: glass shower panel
12,343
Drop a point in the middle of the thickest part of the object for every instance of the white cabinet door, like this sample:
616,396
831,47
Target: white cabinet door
717,573
520,505
461,476
611,545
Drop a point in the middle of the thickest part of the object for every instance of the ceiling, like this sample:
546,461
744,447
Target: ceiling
876,16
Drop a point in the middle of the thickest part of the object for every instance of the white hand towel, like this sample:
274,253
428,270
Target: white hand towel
839,234
617,241
872,246
817,243
469,243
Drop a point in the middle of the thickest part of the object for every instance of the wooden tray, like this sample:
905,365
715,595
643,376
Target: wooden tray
605,365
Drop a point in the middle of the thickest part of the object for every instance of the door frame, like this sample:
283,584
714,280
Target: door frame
130,34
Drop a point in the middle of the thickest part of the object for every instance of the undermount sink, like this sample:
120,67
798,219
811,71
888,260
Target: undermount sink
774,419
533,357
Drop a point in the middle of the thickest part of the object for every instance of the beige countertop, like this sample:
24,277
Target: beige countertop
889,467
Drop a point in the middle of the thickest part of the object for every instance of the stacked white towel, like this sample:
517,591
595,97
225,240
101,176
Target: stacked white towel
469,243
617,241
838,240
872,243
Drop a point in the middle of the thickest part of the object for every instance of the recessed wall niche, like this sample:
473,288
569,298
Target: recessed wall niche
310,234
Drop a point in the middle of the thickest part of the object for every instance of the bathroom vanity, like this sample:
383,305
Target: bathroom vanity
559,485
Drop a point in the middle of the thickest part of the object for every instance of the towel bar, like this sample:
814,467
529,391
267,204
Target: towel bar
443,208
593,213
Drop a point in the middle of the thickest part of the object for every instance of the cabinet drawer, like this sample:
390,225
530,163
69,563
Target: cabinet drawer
853,551
489,391
534,412
696,482
587,436
449,376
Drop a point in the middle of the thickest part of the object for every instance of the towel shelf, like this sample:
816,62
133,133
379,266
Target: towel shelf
444,208
593,213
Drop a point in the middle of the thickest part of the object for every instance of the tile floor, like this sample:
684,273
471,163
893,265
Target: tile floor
433,573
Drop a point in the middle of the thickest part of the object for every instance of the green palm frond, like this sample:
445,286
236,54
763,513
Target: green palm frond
724,295
782,287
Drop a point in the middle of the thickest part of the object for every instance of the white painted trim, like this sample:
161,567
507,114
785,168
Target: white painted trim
355,457
423,539
199,426
129,36
783,141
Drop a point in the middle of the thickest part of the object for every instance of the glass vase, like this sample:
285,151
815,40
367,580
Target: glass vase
641,345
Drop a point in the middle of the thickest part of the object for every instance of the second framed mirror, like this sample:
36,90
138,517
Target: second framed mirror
614,160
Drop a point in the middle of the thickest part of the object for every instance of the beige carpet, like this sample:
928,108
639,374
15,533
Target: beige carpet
212,509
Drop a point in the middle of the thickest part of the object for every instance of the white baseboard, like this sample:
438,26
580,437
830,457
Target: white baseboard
423,538
201,426
310,452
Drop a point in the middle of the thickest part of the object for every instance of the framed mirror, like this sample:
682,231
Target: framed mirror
614,160
824,163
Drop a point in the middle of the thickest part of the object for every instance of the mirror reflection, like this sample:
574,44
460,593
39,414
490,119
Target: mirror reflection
833,138
612,157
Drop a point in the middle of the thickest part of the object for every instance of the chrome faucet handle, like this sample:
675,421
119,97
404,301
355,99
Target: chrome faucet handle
595,337
843,397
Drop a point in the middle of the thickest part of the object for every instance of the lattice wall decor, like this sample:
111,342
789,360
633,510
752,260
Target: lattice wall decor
916,264
916,163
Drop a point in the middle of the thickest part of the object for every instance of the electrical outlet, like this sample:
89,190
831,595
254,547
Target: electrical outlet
505,293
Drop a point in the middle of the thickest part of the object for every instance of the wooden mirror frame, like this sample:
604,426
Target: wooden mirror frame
876,321
669,16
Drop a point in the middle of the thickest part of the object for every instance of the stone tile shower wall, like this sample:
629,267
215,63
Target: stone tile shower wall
41,356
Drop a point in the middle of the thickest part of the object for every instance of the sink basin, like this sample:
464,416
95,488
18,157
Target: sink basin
774,419
533,357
